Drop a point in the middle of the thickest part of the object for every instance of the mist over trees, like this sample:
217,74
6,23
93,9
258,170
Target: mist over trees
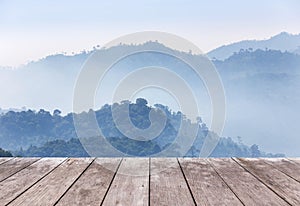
262,86
31,133
281,42
4,153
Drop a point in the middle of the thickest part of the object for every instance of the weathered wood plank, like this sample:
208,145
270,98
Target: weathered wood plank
296,160
15,165
30,181
286,166
167,183
131,184
21,181
205,183
4,159
92,186
48,190
283,185
247,188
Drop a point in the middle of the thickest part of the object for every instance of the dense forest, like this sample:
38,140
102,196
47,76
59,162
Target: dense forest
4,153
31,133
73,148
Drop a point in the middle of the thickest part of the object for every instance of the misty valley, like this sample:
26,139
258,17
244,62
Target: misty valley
260,78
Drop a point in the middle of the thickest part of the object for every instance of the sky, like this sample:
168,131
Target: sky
32,29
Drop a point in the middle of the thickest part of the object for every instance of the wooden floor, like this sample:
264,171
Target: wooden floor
144,181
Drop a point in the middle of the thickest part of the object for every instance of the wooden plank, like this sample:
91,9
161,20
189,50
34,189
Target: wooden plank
21,181
92,186
15,165
247,188
4,159
131,184
167,183
48,190
286,166
296,160
286,187
205,183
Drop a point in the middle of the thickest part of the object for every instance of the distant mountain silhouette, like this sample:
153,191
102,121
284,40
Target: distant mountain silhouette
262,88
283,42
297,51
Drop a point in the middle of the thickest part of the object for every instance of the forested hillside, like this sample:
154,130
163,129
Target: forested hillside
4,153
262,88
30,133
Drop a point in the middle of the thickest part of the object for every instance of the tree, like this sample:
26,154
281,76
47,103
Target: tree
50,134
4,153
141,102
240,140
56,112
254,151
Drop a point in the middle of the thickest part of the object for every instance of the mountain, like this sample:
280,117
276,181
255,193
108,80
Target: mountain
31,133
49,82
267,72
283,42
263,97
262,90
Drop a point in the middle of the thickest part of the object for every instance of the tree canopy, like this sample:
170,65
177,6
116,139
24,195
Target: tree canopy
40,133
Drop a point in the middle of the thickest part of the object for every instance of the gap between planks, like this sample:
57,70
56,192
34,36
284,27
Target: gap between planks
169,176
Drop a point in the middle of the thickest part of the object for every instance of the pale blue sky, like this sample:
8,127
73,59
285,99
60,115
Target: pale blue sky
32,29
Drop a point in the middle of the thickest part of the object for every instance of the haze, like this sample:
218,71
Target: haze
31,29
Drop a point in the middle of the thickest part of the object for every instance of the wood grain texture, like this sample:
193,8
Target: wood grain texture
144,181
286,166
13,166
296,160
4,159
92,186
205,183
286,187
52,187
167,183
131,184
248,189
13,186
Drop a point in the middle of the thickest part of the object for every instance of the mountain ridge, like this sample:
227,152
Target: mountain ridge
262,91
283,41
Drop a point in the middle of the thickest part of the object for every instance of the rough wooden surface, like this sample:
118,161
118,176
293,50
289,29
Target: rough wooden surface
286,166
246,187
167,184
154,181
2,160
15,185
284,186
11,167
205,183
52,187
296,160
132,179
91,187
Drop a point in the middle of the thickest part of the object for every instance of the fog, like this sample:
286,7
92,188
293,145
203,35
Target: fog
262,94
